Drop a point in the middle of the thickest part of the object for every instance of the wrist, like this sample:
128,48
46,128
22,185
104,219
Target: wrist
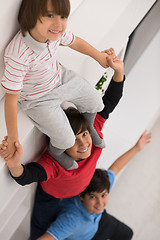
118,76
96,55
136,148
13,138
16,171
11,141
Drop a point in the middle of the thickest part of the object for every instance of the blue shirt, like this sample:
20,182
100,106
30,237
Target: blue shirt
74,221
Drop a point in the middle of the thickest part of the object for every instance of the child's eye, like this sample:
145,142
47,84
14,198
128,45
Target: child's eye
104,195
85,134
92,196
50,15
63,17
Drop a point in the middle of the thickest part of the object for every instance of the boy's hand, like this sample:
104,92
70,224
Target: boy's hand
103,57
3,147
15,160
113,61
118,66
143,140
110,52
8,151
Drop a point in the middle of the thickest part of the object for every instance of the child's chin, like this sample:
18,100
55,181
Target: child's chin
85,155
99,211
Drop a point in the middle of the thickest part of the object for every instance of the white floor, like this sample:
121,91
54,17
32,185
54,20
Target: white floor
135,197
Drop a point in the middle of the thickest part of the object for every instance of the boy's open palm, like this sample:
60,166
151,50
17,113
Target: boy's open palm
143,140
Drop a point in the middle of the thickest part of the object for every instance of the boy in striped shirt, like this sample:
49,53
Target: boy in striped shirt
34,78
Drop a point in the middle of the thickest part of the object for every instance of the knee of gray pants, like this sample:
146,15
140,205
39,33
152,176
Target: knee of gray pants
64,141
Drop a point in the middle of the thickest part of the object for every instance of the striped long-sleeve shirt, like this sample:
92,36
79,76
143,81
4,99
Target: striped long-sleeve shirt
31,68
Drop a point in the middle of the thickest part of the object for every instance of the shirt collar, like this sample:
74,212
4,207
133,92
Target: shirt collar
36,46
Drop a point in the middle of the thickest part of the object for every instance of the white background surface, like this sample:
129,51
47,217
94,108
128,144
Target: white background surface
103,23
135,197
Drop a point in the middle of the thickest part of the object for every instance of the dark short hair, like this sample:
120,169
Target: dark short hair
32,10
77,120
99,182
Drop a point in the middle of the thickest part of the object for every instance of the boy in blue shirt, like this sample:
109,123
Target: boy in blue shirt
84,216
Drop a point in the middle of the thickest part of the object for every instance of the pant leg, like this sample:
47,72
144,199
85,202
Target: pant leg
48,116
44,212
111,228
78,91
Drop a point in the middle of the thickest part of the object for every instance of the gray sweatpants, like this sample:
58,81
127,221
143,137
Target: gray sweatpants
47,114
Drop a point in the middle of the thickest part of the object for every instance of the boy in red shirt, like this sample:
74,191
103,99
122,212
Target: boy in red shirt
55,181
85,216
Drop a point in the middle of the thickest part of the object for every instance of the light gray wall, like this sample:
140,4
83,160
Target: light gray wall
142,36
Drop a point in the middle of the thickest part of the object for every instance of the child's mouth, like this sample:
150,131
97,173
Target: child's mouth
83,150
54,32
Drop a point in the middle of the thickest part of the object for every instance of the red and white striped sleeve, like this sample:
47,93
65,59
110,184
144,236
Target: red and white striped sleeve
14,73
67,38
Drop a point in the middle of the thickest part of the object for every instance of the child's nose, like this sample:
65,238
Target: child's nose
99,202
57,21
81,142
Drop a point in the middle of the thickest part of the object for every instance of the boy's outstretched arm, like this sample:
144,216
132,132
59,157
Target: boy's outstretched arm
126,157
84,47
115,89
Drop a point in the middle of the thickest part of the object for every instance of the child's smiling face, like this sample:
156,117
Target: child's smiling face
82,147
49,27
95,202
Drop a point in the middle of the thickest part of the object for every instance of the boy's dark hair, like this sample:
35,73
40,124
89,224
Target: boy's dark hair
77,120
32,10
99,182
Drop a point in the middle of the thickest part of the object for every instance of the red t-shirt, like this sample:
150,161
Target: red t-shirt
63,183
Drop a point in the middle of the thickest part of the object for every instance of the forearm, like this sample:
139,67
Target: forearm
11,116
123,160
84,47
118,76
114,91
32,172
112,97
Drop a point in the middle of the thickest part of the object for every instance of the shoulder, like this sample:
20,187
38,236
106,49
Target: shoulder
17,50
99,122
99,119
67,38
111,176
49,164
70,211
